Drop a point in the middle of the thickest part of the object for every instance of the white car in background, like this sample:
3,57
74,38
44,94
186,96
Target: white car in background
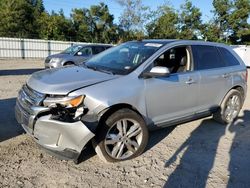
244,52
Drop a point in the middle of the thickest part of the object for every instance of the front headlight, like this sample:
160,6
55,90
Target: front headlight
69,101
55,60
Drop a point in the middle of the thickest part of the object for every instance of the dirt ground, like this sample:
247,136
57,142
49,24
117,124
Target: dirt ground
201,153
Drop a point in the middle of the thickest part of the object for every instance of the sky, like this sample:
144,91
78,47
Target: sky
115,9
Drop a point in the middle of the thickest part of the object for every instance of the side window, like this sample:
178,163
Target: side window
229,59
107,47
86,51
176,59
206,57
98,49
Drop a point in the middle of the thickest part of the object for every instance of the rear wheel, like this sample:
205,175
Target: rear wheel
123,136
230,107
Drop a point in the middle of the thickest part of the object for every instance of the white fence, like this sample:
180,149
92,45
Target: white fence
31,48
244,53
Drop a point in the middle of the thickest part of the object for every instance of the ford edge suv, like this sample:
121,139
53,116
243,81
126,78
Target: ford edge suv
117,96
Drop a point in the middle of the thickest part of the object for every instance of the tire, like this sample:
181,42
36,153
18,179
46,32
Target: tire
229,108
123,136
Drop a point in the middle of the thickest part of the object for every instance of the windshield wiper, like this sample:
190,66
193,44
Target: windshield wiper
98,69
105,71
90,67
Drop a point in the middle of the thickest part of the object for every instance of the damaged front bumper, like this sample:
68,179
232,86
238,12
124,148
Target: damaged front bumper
65,139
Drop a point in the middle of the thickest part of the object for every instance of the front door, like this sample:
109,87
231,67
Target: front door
174,96
83,54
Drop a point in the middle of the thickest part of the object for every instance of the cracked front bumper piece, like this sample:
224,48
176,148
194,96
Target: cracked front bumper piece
60,138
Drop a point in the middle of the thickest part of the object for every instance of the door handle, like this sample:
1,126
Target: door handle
190,81
226,75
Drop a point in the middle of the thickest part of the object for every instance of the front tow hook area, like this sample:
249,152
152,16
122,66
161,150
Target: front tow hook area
60,137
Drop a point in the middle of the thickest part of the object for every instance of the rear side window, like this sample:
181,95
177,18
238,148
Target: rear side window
107,47
206,57
228,57
98,49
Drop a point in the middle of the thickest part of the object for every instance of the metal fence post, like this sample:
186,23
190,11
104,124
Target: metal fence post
22,48
49,48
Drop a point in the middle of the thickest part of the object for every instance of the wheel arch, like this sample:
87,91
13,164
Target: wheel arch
104,114
240,89
68,63
236,87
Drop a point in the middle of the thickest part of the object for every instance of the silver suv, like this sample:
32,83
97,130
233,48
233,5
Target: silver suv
120,94
74,55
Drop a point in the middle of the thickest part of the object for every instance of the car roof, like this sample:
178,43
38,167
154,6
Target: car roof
83,45
179,41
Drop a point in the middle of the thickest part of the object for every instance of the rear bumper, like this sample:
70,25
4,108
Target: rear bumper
60,138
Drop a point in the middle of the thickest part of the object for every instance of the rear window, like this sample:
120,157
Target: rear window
229,59
206,57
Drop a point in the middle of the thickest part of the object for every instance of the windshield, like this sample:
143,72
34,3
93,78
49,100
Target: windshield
124,58
71,50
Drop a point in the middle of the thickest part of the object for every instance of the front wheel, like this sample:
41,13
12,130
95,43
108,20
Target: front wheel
123,136
230,107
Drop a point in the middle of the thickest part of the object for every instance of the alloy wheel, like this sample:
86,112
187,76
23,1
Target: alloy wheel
123,138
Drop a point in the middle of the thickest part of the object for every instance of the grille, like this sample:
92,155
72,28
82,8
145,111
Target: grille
28,97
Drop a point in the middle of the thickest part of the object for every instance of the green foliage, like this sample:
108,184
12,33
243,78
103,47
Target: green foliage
190,21
133,19
29,19
165,25
231,19
54,26
211,32
94,24
238,22
17,19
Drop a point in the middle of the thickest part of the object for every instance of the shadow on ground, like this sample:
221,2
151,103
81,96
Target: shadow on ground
157,135
16,72
9,127
199,152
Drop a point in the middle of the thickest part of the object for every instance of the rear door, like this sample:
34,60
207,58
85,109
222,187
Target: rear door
215,76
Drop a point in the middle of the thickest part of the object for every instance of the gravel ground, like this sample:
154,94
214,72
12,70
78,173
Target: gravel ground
201,153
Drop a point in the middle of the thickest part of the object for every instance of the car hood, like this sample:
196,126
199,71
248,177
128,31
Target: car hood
61,81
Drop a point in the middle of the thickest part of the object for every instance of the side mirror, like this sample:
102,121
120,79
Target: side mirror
79,53
157,72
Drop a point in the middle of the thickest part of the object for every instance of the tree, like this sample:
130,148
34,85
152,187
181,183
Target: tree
190,21
165,25
81,24
94,24
133,19
222,10
17,19
101,22
211,32
238,22
231,18
55,26
38,6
